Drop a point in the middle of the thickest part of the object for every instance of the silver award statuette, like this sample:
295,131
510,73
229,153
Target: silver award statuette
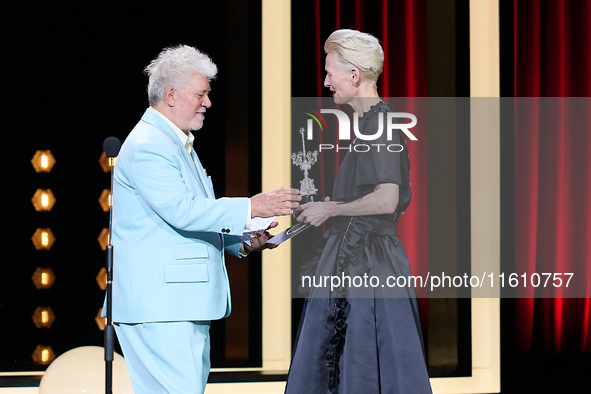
305,160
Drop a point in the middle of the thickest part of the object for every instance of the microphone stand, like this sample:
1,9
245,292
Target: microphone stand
109,329
111,147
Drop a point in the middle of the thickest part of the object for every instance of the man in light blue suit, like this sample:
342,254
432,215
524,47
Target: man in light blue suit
170,232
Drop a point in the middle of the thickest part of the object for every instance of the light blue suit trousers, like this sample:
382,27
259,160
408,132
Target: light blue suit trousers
158,365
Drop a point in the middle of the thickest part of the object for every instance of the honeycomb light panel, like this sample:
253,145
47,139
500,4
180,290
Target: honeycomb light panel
43,317
43,278
43,355
105,200
43,239
101,322
101,279
106,163
43,161
103,238
43,200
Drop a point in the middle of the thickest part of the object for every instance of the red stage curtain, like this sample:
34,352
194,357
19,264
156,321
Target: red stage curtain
401,27
552,58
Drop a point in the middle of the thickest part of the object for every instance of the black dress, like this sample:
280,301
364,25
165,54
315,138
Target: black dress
367,338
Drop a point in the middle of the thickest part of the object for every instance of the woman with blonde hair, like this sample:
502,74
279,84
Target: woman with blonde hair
360,339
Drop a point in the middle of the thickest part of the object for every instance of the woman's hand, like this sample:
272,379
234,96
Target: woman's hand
383,200
317,213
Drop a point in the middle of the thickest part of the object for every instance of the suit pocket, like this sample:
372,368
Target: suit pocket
192,250
184,273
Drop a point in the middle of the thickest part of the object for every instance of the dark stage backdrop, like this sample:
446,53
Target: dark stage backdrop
74,77
546,217
552,172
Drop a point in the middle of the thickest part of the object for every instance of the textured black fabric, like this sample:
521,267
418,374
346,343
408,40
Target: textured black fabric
361,339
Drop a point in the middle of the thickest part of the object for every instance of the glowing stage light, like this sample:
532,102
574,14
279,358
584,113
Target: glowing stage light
101,278
43,200
107,163
43,317
43,355
43,239
103,238
43,161
101,322
43,278
105,200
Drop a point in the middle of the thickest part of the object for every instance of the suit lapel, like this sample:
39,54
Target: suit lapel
192,160
205,180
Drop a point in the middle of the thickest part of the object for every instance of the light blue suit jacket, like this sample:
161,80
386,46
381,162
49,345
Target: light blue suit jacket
169,231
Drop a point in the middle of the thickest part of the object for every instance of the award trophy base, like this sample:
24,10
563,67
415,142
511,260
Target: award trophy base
311,198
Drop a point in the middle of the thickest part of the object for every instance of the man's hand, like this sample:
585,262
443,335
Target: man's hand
258,241
276,202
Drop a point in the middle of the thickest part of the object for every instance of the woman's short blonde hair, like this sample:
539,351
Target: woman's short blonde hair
358,49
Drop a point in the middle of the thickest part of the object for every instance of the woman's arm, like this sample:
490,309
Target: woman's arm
383,200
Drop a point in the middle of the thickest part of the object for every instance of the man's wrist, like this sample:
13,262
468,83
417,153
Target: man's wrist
248,216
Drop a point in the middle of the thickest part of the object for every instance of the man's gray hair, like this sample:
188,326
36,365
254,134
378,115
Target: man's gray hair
176,67
358,49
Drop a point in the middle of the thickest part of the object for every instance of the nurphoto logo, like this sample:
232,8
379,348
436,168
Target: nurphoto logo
387,122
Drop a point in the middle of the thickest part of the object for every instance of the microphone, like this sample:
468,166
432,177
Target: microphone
112,146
